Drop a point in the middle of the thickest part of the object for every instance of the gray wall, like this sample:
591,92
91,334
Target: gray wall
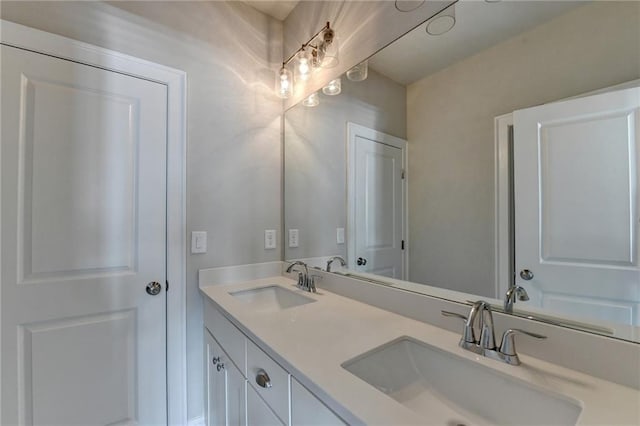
451,133
315,174
230,52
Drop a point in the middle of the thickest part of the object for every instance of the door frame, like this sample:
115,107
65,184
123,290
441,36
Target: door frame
503,193
38,41
354,130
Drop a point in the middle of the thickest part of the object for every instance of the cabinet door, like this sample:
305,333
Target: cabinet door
236,396
258,412
306,409
215,384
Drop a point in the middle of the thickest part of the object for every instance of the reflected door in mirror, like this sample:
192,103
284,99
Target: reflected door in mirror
576,205
376,193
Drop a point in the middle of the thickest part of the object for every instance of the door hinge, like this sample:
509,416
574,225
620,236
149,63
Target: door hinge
167,286
402,245
402,175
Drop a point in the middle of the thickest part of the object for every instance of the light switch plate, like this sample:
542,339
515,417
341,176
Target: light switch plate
293,237
269,238
198,242
339,235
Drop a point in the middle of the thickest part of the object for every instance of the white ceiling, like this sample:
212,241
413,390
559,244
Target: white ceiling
278,9
479,25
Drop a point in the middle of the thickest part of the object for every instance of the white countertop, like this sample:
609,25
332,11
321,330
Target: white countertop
313,340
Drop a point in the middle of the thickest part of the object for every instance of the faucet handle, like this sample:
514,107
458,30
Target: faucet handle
467,335
508,346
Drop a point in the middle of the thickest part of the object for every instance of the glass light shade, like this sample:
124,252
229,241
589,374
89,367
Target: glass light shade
359,72
408,5
442,22
317,56
303,66
333,88
329,48
312,100
284,83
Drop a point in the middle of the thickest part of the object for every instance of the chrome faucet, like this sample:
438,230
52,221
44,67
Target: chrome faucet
305,281
330,261
485,345
510,297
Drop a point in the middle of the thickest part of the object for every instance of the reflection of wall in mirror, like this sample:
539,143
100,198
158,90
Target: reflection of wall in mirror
315,155
450,129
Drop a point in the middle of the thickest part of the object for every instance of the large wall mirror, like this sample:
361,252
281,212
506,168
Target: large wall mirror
492,150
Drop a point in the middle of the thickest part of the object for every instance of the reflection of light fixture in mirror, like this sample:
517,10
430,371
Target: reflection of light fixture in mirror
408,5
312,100
442,22
319,50
284,83
333,88
359,72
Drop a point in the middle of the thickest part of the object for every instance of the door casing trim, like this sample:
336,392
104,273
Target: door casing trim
38,41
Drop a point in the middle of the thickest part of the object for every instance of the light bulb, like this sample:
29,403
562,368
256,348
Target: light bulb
303,68
312,100
333,88
284,85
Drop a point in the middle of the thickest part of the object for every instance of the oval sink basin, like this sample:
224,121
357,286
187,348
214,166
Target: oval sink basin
451,390
271,298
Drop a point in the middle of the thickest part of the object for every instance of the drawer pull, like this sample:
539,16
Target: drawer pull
263,380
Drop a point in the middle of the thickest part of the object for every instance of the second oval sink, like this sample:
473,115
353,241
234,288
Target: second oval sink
451,390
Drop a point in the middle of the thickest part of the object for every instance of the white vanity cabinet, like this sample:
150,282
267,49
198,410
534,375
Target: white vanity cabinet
245,386
225,387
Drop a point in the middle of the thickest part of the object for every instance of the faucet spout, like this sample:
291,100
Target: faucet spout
510,297
330,261
304,282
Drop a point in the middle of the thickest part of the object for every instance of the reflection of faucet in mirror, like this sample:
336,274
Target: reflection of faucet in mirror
510,297
330,261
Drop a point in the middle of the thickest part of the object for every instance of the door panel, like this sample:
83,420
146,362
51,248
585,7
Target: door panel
576,205
83,161
378,207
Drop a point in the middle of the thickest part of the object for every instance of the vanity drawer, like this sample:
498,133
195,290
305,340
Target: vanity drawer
230,338
277,396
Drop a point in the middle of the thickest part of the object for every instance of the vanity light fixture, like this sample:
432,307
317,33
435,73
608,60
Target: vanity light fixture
333,88
359,72
443,22
321,50
312,100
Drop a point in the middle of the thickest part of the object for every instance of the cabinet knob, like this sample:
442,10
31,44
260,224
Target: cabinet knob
263,380
220,367
215,360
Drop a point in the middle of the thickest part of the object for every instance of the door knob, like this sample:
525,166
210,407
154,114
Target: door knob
361,261
153,288
526,274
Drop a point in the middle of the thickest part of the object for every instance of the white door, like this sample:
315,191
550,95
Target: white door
576,205
83,232
377,203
